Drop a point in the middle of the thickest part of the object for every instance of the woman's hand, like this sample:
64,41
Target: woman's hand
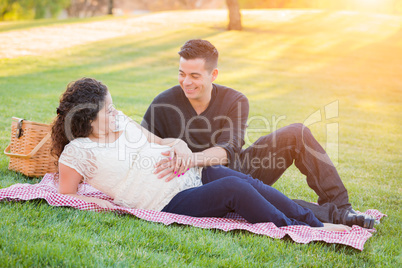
102,203
180,157
179,160
183,156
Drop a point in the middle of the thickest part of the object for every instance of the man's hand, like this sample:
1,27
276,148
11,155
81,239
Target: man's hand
179,161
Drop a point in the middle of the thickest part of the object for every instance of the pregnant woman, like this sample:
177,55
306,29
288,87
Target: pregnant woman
97,144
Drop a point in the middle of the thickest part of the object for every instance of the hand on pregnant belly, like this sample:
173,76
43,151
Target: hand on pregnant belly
178,160
149,157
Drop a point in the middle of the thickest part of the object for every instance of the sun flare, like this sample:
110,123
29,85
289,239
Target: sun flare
372,5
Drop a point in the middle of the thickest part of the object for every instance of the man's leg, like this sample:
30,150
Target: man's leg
272,154
328,212
272,195
232,194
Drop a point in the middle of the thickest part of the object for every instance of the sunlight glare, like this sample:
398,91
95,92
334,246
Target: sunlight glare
372,5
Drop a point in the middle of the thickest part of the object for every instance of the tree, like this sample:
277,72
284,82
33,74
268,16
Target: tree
89,8
31,9
110,7
6,6
188,4
234,15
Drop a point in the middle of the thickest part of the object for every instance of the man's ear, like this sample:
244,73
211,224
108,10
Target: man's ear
214,74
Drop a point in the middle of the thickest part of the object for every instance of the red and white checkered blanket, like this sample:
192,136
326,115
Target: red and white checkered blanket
47,189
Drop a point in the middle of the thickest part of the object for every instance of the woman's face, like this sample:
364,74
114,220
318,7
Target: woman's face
105,122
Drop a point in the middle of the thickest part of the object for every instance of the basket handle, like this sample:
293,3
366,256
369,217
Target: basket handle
34,151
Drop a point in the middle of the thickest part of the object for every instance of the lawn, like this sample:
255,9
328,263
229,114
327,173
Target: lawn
290,64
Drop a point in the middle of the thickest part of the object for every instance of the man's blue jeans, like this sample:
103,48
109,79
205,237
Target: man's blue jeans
269,157
226,190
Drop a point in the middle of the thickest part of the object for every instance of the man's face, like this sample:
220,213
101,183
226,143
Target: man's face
195,80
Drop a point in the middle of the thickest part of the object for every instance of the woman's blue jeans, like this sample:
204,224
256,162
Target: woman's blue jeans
226,190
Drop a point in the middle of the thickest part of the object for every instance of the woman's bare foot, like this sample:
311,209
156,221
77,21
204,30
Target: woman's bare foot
335,227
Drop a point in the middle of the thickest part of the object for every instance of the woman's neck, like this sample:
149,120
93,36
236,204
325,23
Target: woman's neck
105,137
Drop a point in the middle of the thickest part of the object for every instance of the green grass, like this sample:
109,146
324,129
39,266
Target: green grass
286,67
28,24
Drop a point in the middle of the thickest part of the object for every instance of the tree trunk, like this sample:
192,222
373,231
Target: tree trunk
110,7
234,15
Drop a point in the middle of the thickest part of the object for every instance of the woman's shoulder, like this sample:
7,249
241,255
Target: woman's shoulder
75,147
81,143
77,156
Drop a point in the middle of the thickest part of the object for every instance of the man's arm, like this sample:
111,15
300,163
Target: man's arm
227,141
231,136
209,157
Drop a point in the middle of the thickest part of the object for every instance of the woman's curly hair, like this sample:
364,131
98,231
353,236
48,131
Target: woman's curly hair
79,107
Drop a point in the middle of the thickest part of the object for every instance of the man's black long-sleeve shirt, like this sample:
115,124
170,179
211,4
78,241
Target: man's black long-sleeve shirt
222,124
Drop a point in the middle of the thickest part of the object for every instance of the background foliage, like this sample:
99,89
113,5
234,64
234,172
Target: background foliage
35,9
31,9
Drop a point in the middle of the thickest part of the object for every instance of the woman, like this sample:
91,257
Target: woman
97,144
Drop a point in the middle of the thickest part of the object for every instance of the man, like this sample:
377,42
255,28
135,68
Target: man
212,118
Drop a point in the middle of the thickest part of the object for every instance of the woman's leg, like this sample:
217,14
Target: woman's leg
272,195
229,194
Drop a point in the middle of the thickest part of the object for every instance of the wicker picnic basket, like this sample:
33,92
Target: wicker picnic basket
29,149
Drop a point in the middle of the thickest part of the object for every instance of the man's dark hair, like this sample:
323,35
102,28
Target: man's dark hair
200,49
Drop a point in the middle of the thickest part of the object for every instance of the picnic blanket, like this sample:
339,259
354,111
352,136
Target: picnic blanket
47,189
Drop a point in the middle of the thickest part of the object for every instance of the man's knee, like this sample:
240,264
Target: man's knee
289,131
233,184
298,129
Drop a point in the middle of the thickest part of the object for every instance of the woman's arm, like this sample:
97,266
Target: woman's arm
69,179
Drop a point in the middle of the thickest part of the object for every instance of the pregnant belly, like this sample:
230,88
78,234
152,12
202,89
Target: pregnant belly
142,188
148,157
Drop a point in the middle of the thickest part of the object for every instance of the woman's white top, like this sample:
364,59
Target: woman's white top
124,169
